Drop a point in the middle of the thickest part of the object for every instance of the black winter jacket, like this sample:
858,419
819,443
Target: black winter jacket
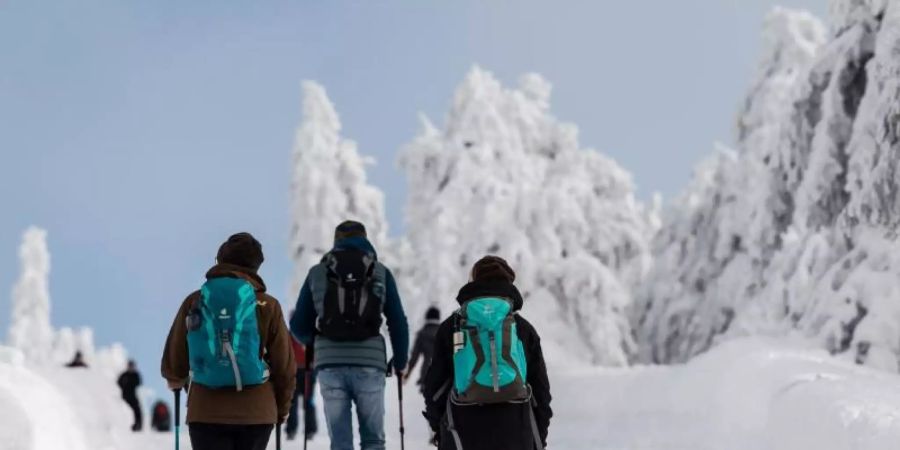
129,382
423,348
488,427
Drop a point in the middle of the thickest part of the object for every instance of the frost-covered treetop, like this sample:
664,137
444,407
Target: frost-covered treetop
30,330
328,184
505,177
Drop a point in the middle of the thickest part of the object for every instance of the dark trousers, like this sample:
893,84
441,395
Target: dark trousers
209,436
309,407
136,409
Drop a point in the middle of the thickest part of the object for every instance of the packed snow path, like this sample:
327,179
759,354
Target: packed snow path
744,395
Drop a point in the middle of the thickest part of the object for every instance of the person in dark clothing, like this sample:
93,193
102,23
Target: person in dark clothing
162,418
77,361
306,381
128,383
503,426
424,345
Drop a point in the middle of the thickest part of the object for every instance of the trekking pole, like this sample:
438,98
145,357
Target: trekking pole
278,436
177,418
400,395
306,389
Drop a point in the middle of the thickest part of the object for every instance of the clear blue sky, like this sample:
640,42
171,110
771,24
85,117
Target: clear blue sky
141,134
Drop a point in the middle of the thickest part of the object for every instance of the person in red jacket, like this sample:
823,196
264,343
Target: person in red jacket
306,380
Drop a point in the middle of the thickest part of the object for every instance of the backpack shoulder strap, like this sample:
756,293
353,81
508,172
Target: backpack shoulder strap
379,282
318,284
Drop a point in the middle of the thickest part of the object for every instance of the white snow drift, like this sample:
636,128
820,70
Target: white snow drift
742,395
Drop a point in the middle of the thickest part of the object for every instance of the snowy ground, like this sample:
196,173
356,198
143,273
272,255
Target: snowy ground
743,395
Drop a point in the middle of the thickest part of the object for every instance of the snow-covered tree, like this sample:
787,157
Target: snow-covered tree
505,177
328,185
798,236
719,235
30,330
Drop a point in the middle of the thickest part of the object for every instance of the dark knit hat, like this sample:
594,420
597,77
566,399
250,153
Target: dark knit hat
433,314
493,268
349,229
243,250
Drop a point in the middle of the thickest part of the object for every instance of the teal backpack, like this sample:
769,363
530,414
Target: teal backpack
489,364
223,336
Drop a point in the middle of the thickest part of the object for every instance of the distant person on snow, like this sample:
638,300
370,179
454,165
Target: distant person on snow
162,417
230,338
340,309
306,382
423,346
128,383
487,387
77,361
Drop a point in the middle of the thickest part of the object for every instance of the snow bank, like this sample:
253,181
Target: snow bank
52,408
35,414
743,395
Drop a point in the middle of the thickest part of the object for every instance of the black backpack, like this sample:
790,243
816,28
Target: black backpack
350,298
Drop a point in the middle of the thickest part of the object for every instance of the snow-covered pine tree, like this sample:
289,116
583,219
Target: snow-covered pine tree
505,177
30,330
328,185
823,262
718,237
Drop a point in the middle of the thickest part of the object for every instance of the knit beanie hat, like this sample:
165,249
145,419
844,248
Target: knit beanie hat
349,229
493,268
433,314
243,250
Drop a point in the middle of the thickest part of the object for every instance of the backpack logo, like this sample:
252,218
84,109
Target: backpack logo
350,278
223,314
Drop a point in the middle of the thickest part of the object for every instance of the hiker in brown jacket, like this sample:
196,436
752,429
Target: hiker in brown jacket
226,417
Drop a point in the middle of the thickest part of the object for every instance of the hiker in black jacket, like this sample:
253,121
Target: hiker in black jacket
502,426
424,345
128,383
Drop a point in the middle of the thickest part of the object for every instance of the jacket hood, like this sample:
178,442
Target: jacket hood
234,271
356,243
491,288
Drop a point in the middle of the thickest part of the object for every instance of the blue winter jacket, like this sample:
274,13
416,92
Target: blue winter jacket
303,322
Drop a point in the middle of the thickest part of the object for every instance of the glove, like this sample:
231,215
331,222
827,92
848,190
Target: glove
436,439
400,371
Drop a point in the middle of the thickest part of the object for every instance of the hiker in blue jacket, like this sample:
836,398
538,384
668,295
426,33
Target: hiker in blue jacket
339,313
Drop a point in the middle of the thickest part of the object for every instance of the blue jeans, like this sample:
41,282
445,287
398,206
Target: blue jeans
364,386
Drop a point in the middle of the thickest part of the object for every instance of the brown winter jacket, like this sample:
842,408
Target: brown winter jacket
263,404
